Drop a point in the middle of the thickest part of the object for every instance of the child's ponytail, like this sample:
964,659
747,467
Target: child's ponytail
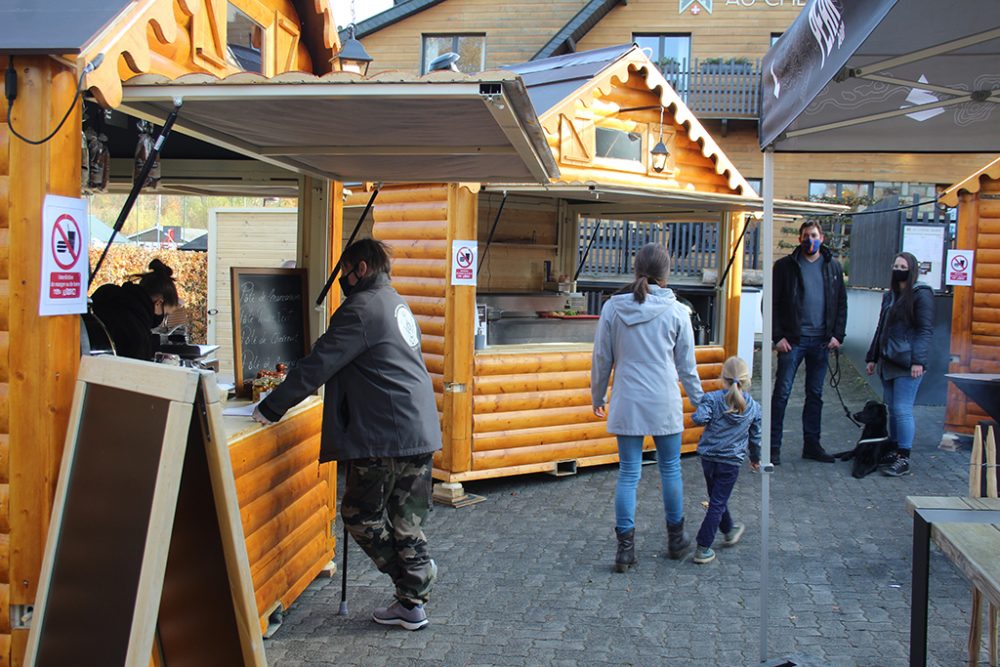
737,376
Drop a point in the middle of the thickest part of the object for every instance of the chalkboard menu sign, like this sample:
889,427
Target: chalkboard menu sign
270,321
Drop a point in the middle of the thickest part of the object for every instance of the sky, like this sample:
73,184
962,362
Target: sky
362,9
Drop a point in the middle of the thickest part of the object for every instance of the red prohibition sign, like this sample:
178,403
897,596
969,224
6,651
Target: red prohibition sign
464,257
959,263
63,238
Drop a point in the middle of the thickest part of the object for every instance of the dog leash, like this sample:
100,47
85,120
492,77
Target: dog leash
835,377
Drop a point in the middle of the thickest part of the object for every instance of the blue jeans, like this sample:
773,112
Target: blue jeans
720,478
899,394
668,458
814,351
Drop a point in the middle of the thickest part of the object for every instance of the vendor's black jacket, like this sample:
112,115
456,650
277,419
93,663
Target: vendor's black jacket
379,399
893,323
128,314
788,295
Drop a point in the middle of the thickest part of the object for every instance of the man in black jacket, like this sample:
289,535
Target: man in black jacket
810,316
379,415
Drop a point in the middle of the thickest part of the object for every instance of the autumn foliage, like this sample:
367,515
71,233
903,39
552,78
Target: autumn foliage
190,272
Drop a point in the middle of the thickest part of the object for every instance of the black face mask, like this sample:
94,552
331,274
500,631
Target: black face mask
900,276
345,286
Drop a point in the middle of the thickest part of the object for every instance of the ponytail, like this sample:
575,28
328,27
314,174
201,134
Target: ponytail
159,281
736,374
652,265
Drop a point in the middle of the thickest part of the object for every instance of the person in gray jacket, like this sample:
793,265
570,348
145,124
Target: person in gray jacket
380,416
645,335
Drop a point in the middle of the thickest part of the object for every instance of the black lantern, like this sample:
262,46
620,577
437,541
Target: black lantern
659,154
352,56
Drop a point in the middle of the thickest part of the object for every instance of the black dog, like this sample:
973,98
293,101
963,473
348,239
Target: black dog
874,445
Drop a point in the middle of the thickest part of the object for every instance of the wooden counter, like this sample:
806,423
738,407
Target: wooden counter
287,503
531,412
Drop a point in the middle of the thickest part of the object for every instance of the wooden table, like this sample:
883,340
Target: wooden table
968,532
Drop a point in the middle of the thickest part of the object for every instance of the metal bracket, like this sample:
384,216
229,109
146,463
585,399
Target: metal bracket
454,388
20,616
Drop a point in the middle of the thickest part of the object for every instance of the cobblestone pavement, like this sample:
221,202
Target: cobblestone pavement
525,577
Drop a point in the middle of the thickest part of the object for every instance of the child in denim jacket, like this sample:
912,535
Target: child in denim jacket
732,427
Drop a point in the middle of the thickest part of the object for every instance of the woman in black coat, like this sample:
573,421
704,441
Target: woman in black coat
131,310
900,350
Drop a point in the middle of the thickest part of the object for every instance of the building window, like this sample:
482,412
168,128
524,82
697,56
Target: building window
244,41
471,48
756,184
666,51
774,37
618,144
840,189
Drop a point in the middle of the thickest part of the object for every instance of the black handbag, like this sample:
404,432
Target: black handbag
897,351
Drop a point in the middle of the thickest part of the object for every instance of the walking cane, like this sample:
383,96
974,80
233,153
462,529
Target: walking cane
343,577
343,581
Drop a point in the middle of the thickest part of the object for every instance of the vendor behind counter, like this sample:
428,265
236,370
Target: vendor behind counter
130,311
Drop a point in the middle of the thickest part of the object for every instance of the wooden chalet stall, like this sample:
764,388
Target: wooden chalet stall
975,320
522,404
146,54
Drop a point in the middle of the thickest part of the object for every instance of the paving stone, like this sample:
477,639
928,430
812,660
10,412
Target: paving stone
525,577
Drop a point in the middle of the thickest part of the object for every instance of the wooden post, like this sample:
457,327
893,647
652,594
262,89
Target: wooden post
335,239
460,304
44,352
961,314
733,287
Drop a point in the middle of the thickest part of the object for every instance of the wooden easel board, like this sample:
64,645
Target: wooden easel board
135,553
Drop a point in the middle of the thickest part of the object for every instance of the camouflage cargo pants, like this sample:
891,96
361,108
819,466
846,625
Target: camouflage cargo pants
385,506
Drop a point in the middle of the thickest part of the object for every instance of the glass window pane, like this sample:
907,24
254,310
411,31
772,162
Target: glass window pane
244,40
650,44
434,46
677,47
819,189
756,183
617,144
472,50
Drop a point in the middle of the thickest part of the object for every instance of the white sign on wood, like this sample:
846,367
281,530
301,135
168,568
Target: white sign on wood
960,267
463,262
65,262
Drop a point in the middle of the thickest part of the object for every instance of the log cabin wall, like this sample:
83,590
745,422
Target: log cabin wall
975,329
628,106
531,410
4,382
286,506
413,221
527,235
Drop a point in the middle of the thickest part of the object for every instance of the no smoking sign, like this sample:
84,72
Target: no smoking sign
65,235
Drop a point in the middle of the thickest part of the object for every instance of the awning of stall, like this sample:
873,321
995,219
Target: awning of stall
658,204
970,184
885,76
443,126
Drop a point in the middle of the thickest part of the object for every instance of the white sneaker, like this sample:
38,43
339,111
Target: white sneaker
733,536
397,614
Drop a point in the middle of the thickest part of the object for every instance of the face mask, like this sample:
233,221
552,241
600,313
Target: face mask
811,246
345,286
900,276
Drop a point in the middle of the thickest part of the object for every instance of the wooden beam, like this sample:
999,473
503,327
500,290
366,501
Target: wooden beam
44,351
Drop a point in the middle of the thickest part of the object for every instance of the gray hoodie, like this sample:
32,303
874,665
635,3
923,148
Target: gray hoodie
650,345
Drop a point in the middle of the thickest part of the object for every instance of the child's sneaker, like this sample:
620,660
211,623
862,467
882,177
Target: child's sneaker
703,555
733,536
397,614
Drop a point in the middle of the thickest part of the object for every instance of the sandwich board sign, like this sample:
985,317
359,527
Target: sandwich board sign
145,556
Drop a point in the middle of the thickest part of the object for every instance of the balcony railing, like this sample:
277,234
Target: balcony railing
727,89
693,247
